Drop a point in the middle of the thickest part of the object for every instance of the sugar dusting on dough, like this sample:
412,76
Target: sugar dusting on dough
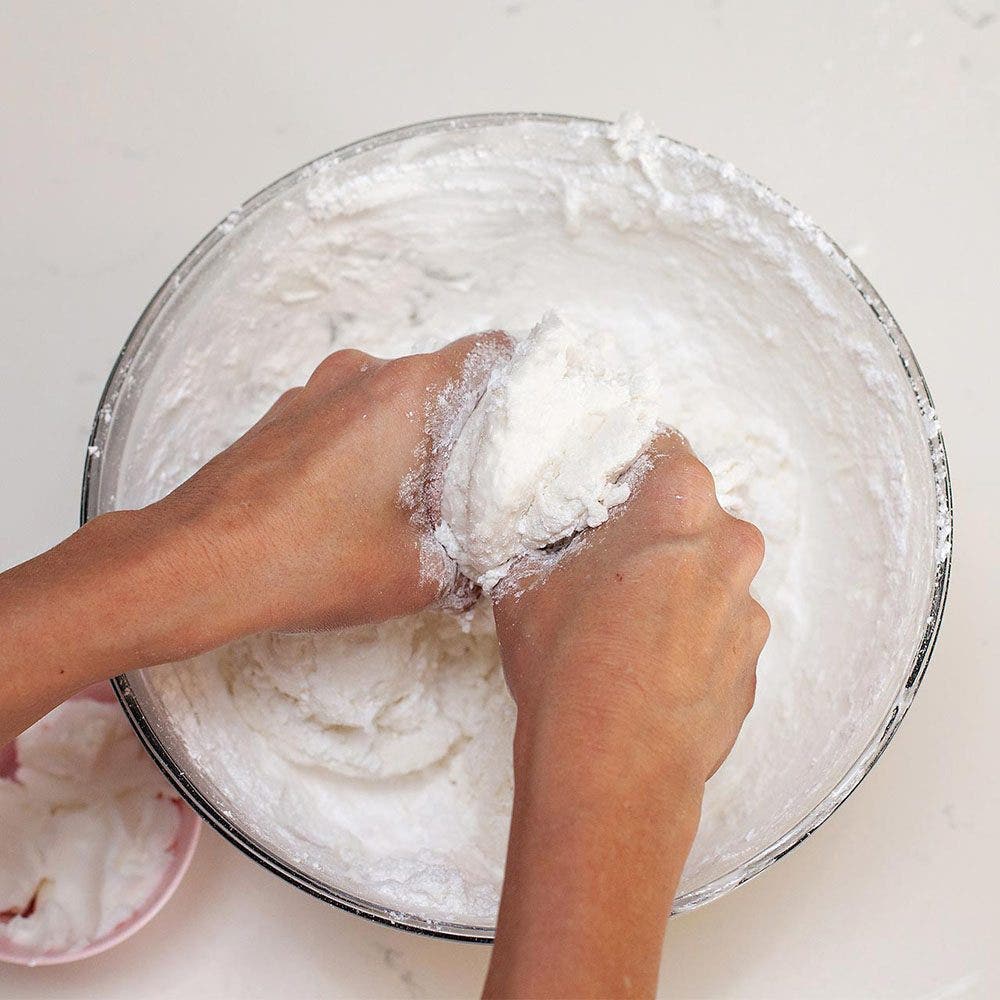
542,454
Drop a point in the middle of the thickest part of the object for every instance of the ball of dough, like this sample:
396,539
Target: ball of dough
543,452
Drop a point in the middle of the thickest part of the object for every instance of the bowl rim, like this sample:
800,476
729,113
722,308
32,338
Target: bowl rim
882,735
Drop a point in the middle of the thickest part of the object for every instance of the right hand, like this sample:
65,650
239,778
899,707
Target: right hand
645,629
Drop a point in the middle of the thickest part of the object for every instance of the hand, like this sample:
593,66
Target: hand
647,620
632,663
303,518
320,516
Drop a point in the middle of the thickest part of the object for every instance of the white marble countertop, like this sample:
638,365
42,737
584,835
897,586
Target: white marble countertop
129,129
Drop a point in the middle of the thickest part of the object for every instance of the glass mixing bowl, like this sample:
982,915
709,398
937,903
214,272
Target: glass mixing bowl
123,396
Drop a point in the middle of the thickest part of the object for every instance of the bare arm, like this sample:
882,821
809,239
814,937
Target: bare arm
632,665
298,525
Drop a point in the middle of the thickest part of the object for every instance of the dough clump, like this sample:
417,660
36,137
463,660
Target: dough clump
544,450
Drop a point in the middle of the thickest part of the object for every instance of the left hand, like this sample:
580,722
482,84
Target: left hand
303,521
320,516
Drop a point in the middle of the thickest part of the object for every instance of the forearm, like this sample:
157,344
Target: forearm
125,591
599,837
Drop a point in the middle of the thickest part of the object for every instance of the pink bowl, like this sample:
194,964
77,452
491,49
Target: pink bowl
181,850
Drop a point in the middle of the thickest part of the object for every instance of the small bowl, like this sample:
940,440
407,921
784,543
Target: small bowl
182,850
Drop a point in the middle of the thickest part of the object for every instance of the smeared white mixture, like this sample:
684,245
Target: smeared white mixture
87,825
542,454
379,761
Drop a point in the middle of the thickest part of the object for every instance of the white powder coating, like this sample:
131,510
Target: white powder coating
88,823
379,762
542,454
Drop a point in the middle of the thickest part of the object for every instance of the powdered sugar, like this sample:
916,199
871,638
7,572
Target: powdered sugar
542,454
87,829
445,415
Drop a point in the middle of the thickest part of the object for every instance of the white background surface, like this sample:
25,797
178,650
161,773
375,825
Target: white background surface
129,129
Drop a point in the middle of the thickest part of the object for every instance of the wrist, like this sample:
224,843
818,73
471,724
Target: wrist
140,581
600,832
616,726
631,756
180,596
118,594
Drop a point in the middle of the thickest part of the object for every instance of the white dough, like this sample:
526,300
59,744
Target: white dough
87,828
543,452
379,762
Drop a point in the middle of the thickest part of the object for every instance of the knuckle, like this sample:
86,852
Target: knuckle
749,539
340,363
278,407
421,368
405,377
284,399
760,624
751,691
685,490
696,487
689,474
692,474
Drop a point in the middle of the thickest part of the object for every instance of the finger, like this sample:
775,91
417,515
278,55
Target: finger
750,691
